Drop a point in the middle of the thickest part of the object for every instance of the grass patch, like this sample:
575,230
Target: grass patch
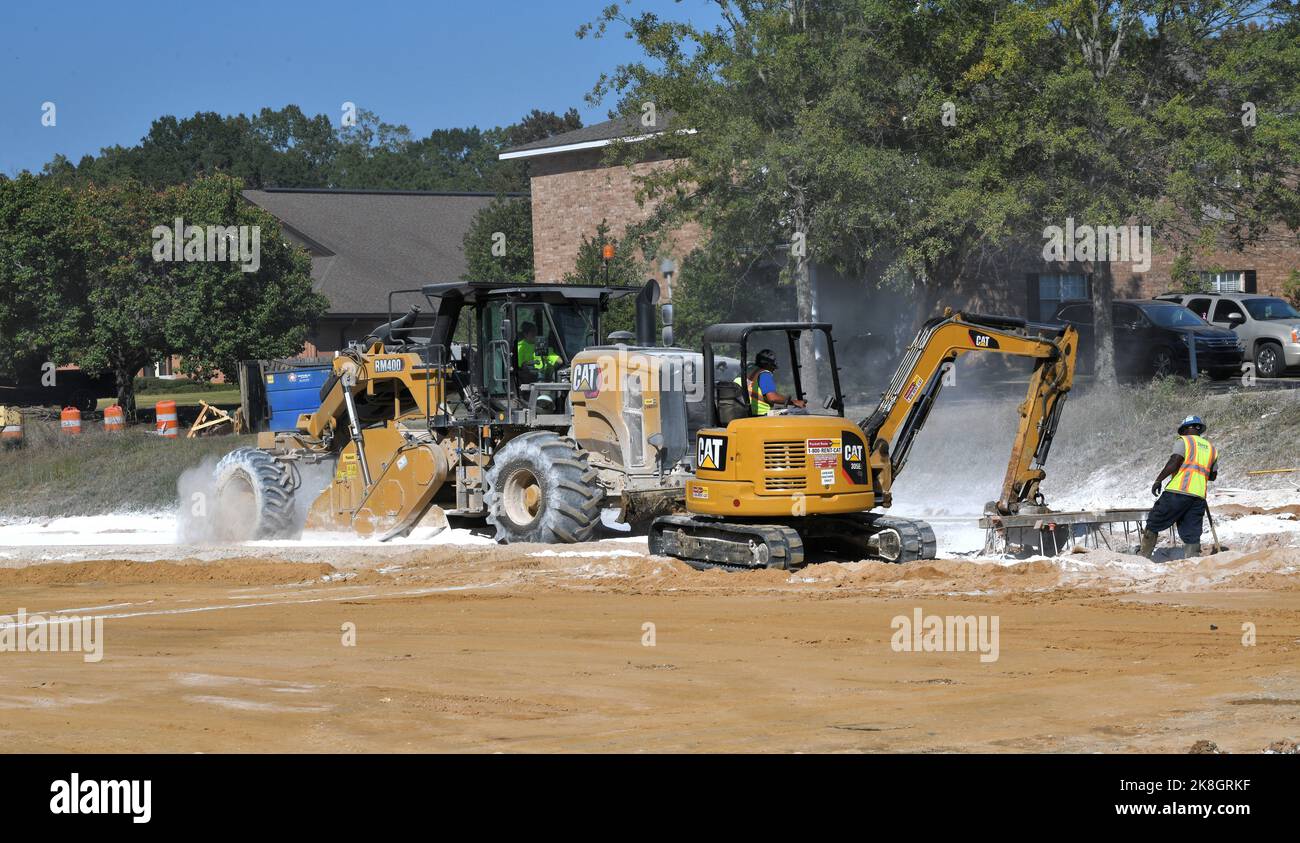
227,395
99,473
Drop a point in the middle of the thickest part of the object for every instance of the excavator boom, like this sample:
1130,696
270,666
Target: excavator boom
906,403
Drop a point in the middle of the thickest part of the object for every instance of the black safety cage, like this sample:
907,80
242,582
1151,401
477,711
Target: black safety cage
738,333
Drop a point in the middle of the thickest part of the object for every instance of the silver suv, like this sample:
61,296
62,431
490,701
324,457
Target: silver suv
1268,326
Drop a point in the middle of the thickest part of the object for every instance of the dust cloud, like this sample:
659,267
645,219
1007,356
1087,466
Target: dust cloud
196,503
201,518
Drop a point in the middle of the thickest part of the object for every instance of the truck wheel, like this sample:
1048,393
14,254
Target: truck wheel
254,497
1268,360
541,489
1162,363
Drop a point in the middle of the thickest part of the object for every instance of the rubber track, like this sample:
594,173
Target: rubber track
917,536
785,545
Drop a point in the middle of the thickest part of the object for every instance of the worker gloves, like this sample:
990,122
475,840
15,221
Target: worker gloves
1155,489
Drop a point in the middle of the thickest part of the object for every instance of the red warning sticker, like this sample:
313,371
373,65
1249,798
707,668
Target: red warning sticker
825,452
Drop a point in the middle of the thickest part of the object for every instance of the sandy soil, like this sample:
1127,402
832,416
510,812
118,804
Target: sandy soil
475,647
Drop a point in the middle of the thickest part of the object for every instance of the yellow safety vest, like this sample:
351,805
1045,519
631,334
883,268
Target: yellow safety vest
1199,457
528,357
757,406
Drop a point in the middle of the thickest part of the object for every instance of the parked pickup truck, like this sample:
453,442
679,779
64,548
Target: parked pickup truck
72,388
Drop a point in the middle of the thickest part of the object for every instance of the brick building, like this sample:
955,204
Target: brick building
574,189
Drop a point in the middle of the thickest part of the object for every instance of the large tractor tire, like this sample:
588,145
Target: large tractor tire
254,497
541,489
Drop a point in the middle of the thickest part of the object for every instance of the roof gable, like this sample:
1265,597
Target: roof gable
365,243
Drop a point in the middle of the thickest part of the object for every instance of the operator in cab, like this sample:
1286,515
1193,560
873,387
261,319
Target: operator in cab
530,361
760,383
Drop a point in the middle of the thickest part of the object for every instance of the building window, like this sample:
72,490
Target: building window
1054,288
1223,282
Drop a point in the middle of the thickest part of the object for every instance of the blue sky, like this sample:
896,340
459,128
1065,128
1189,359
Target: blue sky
111,68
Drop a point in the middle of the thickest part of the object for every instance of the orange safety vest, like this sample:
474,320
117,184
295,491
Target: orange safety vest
1199,457
758,405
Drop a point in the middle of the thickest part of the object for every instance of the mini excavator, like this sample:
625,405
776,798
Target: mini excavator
766,485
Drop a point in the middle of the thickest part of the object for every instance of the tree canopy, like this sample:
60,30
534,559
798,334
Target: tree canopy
920,135
83,279
288,148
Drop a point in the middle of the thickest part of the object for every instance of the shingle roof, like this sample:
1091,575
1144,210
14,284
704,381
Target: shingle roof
366,243
619,127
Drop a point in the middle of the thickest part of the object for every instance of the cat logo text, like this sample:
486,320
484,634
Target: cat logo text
586,379
711,453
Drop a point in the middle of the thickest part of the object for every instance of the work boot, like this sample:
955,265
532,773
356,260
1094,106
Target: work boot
1148,544
1190,550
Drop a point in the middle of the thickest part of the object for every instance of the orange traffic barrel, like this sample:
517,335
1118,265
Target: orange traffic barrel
70,421
165,412
11,427
114,419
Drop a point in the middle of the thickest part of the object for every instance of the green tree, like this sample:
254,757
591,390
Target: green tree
537,125
288,148
42,267
1181,116
714,287
1291,287
846,130
273,148
499,243
225,313
801,130
81,282
590,267
625,269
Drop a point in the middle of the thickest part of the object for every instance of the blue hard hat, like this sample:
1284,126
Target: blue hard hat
1190,421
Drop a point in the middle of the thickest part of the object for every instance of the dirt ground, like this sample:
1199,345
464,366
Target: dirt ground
530,649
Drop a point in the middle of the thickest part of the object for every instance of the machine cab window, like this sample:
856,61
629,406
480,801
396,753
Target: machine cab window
763,369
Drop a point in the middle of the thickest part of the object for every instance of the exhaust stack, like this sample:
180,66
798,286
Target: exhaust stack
645,313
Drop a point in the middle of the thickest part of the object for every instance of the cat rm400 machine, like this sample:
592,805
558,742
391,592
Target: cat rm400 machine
501,402
765,486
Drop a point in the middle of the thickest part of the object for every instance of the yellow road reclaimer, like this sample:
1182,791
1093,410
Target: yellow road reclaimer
503,402
765,486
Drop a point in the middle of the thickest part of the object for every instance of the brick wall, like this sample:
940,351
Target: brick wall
572,192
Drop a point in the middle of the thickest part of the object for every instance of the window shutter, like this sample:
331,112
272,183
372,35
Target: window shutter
1250,282
1031,297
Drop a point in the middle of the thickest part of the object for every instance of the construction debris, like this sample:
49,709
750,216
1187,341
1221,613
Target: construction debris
209,419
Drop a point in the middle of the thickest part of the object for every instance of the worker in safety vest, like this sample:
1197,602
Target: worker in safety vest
760,385
529,359
1194,463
